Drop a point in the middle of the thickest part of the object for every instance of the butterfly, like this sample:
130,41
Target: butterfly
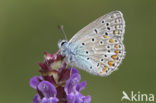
97,48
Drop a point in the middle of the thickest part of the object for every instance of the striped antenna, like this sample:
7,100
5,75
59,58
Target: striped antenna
61,27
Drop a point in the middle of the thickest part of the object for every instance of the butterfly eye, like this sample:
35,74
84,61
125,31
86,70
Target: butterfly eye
63,43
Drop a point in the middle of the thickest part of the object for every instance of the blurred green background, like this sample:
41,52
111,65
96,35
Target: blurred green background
29,27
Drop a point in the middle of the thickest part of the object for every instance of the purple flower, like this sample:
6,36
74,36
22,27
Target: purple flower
46,93
73,88
57,83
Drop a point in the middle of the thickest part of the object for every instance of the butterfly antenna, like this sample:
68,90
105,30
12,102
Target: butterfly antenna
61,27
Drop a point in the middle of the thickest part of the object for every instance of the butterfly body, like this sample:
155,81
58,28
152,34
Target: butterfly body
97,48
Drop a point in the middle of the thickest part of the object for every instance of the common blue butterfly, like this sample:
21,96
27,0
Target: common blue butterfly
97,48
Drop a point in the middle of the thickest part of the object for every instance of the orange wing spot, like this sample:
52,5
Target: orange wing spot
116,46
110,63
105,36
117,52
114,57
104,69
111,40
115,32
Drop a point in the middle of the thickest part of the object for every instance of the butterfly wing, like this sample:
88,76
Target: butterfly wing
99,46
103,22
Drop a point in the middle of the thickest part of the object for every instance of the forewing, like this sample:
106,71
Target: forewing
113,20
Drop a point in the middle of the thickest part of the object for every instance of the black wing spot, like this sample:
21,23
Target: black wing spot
107,24
108,28
102,59
101,42
106,33
106,71
117,58
83,43
98,64
93,39
113,65
103,21
96,31
119,46
108,46
86,52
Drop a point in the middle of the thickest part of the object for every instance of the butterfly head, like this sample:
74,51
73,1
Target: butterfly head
63,46
62,43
